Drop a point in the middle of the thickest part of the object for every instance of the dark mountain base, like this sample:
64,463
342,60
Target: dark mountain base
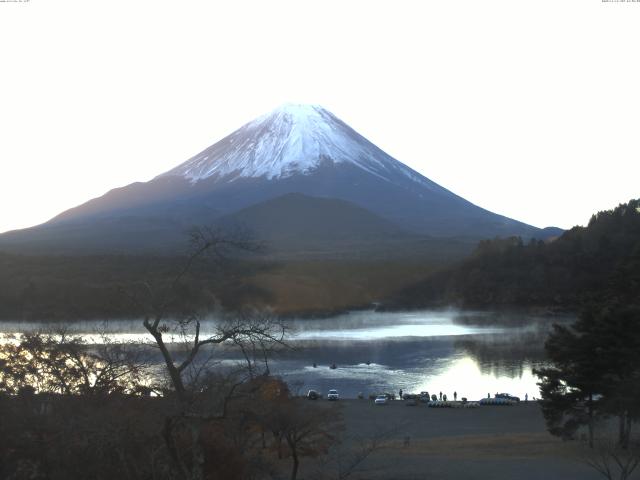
291,226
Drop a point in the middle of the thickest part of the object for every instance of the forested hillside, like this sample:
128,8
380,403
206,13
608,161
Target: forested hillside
600,261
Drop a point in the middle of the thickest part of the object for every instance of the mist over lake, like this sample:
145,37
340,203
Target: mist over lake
471,353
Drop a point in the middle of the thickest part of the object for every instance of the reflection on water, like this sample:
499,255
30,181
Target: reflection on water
437,364
509,354
467,352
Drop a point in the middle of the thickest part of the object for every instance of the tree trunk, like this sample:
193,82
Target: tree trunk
621,429
197,453
590,410
167,433
296,462
279,440
627,433
624,429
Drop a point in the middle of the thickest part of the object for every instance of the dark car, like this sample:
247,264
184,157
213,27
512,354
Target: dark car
313,395
508,396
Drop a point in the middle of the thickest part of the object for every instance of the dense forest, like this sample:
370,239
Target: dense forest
594,263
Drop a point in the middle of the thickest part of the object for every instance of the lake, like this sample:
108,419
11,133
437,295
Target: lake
471,353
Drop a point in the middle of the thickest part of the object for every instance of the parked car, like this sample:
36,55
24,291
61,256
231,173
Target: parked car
411,402
381,400
313,395
333,395
507,396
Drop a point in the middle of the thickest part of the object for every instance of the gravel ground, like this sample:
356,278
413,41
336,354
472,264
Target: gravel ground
489,442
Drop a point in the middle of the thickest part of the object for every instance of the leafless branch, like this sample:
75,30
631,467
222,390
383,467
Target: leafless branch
613,461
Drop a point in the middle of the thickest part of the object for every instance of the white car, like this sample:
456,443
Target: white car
381,400
333,395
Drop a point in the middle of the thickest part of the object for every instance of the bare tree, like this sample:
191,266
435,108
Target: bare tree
202,398
69,406
63,363
613,461
172,312
348,456
307,430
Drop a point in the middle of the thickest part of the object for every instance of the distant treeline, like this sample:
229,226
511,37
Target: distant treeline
61,288
594,263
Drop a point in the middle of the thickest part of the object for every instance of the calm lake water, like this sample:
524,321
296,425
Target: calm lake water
435,351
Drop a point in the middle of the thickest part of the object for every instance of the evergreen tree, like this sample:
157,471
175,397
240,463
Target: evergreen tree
594,372
619,333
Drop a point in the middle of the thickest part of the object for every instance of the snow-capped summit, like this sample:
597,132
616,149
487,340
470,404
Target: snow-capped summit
292,139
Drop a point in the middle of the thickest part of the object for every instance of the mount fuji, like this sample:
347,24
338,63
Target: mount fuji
295,149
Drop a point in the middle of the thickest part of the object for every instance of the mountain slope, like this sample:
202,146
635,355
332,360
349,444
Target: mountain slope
302,218
299,226
295,148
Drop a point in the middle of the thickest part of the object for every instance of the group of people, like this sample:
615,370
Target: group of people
443,397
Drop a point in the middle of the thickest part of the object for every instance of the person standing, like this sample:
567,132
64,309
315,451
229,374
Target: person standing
440,395
455,396
526,397
400,394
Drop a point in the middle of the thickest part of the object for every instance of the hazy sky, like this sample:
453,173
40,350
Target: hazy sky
530,109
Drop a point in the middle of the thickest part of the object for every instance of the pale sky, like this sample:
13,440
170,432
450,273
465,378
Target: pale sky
530,109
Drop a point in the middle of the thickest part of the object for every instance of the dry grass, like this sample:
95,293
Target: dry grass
497,447
335,285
